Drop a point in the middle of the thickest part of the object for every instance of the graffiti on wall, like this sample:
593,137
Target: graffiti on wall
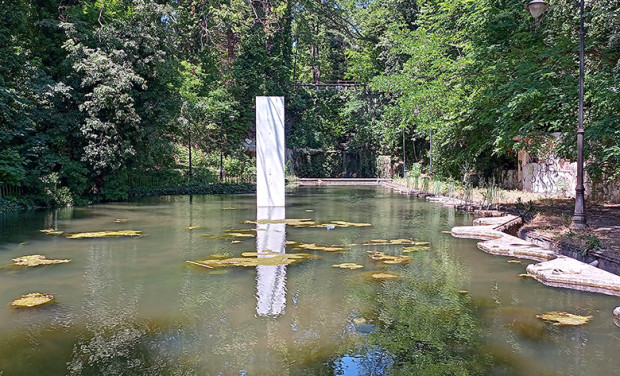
554,176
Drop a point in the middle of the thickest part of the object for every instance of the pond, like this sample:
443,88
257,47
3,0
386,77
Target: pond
134,306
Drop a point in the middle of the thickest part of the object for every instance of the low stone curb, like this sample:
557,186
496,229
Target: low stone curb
499,243
553,270
569,273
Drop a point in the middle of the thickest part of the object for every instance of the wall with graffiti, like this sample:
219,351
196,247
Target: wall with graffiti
557,177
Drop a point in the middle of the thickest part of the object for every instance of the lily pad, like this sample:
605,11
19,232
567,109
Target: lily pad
104,234
564,318
36,260
348,265
50,231
32,300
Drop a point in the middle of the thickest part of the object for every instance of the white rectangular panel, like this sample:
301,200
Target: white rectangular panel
270,151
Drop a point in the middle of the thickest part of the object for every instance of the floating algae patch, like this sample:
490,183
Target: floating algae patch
349,224
416,248
564,318
526,275
230,235
105,234
393,242
280,259
382,275
348,265
265,252
317,247
32,300
219,256
287,221
387,259
242,231
36,260
50,231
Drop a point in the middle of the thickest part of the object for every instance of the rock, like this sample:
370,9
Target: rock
569,273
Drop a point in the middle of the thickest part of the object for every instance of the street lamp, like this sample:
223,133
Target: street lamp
537,7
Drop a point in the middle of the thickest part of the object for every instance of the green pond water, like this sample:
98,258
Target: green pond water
133,306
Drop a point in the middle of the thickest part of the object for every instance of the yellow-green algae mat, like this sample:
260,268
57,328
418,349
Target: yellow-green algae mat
564,318
307,222
32,300
252,260
50,231
348,265
105,234
386,259
36,260
318,247
395,242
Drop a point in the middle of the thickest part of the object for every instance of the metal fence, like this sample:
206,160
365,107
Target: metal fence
11,190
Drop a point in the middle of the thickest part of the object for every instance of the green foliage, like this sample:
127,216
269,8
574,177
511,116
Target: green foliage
89,88
11,167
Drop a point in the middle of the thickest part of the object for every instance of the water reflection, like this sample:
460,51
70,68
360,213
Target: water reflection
270,280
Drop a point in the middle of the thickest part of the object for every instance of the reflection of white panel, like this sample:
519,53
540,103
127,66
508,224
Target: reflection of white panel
269,151
270,280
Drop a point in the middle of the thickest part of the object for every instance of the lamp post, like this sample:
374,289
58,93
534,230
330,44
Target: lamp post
536,8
